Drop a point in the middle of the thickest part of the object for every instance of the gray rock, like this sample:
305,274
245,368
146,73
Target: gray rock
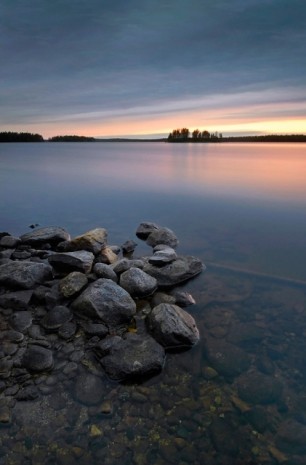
89,389
72,283
133,357
18,300
11,336
52,235
92,241
80,260
138,283
106,301
182,298
102,270
9,241
257,388
224,437
172,327
37,359
128,246
162,257
227,359
162,236
94,329
56,317
125,264
67,330
21,321
146,228
24,274
182,269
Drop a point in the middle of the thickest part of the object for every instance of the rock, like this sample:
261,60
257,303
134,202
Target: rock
135,356
162,236
128,246
11,336
67,330
245,334
180,270
172,327
37,359
146,228
137,283
182,298
52,235
291,437
5,415
9,241
21,255
106,301
56,317
72,284
257,388
21,321
162,257
24,274
224,438
102,270
27,393
124,264
89,389
92,241
94,329
107,256
162,298
18,300
80,260
226,358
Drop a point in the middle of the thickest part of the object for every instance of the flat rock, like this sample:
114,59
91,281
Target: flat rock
93,241
18,300
146,228
125,264
172,326
24,274
228,359
107,301
89,389
37,359
257,388
133,357
72,283
162,236
138,283
52,235
80,260
164,256
180,270
56,317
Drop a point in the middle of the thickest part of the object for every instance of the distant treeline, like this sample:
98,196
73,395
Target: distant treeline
185,135
20,137
72,139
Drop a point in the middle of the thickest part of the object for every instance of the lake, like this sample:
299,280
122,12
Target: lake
238,397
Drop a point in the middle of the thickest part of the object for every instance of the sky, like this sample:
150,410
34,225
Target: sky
108,68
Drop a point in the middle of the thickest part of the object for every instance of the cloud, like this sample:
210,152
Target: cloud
67,60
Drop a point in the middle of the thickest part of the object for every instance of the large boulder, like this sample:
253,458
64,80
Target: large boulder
92,241
24,274
52,235
138,283
180,270
106,301
80,260
133,357
172,326
162,236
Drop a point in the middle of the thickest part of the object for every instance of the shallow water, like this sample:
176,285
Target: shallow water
240,205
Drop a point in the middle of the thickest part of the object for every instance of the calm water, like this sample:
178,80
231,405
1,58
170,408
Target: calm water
239,396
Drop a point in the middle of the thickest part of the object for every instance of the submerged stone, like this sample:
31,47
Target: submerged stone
37,359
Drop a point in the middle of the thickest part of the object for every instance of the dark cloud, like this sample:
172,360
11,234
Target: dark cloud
64,57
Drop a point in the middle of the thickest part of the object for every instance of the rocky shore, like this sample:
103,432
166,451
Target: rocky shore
70,301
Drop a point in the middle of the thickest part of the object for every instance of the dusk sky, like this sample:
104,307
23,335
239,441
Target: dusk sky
145,67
